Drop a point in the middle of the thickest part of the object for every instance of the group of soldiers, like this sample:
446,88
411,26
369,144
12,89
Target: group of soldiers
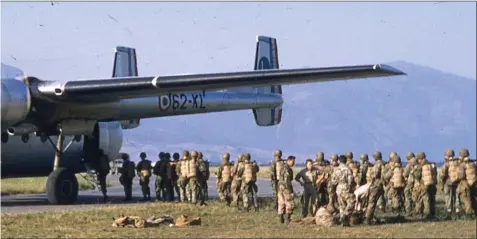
347,188
180,175
343,186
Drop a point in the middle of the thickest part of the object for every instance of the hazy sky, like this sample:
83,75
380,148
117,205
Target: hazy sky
78,38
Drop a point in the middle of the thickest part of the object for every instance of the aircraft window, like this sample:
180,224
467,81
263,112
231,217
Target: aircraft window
43,138
4,137
77,138
25,138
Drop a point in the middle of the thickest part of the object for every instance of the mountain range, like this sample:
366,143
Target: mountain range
425,110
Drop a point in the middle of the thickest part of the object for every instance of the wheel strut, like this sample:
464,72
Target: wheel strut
59,148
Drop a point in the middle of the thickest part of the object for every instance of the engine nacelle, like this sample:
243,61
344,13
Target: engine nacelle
16,101
110,138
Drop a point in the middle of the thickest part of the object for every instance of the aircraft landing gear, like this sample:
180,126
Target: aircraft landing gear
62,185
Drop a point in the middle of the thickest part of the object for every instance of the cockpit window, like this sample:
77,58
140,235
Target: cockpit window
4,137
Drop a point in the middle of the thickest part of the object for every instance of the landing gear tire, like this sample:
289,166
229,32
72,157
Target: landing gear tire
62,187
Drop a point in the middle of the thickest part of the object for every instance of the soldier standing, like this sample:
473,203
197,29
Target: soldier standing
174,176
237,180
285,191
363,169
307,178
468,187
103,171
248,174
127,172
409,202
354,166
224,179
376,190
204,175
320,160
144,169
424,173
274,169
378,158
332,198
193,183
450,180
158,170
343,180
182,170
396,182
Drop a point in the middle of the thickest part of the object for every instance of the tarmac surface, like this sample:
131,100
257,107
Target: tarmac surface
28,203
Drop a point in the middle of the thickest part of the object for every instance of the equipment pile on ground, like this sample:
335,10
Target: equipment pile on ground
138,222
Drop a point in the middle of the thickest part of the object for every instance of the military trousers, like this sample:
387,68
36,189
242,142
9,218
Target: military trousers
467,196
346,202
224,191
375,192
396,196
102,183
451,198
309,200
249,194
160,190
175,190
286,202
182,184
425,200
193,185
408,199
236,187
144,182
127,185
275,191
204,189
322,197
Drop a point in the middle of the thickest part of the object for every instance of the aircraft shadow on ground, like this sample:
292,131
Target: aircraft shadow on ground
82,200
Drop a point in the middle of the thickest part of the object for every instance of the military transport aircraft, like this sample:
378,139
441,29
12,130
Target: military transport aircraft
92,113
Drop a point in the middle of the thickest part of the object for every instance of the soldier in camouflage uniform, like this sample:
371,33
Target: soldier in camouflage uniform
193,182
204,174
365,164
237,180
144,169
127,172
467,187
323,166
450,179
409,203
159,171
307,178
396,181
332,198
378,158
277,159
354,166
169,189
285,191
248,173
425,174
343,180
376,189
175,176
182,170
224,179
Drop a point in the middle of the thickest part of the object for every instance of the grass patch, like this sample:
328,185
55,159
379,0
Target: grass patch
12,186
218,221
263,173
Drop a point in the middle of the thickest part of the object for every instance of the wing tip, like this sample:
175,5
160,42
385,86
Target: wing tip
264,38
388,69
124,49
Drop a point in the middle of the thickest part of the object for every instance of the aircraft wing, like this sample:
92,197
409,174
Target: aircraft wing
103,90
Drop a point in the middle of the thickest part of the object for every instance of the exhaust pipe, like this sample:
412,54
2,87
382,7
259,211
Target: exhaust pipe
21,129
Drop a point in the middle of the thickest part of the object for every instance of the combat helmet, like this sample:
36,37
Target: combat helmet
364,157
142,155
421,155
277,153
185,154
176,156
162,155
246,157
410,155
377,155
449,153
464,152
349,155
320,155
334,157
167,155
194,154
226,156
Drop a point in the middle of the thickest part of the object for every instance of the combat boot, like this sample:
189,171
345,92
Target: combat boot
256,209
287,219
280,218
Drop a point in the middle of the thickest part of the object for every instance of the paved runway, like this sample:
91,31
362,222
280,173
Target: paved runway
87,199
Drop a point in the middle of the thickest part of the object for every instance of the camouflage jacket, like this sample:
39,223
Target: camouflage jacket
362,172
285,177
342,179
409,171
